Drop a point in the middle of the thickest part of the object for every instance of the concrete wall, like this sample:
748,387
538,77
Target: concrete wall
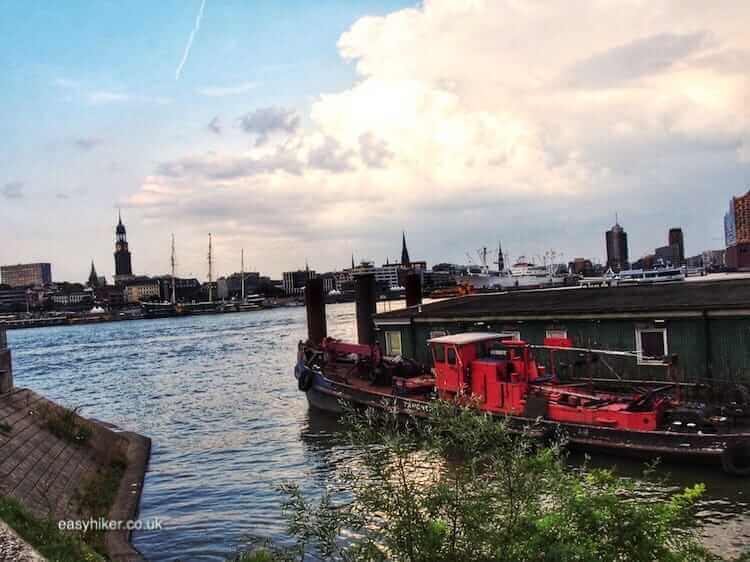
6,371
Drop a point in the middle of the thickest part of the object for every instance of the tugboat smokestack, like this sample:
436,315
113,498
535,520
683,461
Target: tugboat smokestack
316,310
413,289
364,287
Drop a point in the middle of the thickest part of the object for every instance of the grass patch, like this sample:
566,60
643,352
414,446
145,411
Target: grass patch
44,535
95,498
98,493
66,424
5,427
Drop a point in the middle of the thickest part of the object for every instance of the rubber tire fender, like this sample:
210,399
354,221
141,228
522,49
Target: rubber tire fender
305,381
735,459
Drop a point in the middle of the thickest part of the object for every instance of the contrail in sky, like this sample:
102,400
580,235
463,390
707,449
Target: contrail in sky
190,41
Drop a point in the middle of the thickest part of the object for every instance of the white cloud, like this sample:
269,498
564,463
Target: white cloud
267,122
533,121
106,96
223,91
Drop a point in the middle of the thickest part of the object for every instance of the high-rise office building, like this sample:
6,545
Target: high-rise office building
617,248
737,232
677,241
26,274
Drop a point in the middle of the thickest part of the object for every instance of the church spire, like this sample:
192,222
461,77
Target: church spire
405,261
123,267
93,277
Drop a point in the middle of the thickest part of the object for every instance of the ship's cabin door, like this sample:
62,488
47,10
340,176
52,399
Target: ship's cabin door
448,368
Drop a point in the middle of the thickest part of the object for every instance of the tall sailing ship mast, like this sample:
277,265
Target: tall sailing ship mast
174,282
242,273
210,271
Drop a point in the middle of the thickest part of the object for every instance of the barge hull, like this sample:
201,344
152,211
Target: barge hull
325,394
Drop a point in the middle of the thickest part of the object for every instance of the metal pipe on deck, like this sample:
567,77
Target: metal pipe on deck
413,289
315,305
364,290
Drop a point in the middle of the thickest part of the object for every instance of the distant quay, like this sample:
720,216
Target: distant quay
146,311
156,310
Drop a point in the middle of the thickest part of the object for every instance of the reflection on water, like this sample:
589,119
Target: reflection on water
217,396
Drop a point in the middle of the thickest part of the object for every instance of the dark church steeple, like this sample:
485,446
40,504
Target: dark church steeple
123,267
405,261
93,277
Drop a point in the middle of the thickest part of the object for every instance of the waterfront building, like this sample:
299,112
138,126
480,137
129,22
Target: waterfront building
386,277
617,248
26,274
230,287
667,255
77,300
388,274
705,323
329,282
714,259
581,266
123,265
16,299
186,289
450,268
142,289
737,232
109,296
437,279
293,282
677,239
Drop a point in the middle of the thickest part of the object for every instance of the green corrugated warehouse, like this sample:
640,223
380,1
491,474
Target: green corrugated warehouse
706,324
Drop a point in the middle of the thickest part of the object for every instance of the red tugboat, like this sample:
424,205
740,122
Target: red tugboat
502,377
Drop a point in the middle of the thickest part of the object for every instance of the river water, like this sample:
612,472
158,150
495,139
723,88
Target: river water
217,396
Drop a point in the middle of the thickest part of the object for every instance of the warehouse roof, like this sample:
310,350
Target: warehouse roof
656,298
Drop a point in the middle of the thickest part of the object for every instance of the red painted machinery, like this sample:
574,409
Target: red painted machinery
501,375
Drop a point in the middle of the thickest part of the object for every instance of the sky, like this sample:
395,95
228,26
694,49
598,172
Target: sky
310,131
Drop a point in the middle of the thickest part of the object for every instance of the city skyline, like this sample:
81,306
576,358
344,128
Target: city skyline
458,134
121,252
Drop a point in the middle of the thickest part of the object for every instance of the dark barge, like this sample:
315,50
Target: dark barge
499,375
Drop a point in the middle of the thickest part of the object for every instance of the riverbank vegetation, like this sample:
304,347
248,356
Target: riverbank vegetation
96,497
66,424
44,535
462,488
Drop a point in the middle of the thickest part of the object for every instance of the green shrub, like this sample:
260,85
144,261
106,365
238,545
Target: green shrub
462,488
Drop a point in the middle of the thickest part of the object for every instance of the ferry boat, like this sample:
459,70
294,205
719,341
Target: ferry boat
658,275
501,376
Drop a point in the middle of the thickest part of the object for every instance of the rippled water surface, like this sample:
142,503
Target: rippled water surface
217,396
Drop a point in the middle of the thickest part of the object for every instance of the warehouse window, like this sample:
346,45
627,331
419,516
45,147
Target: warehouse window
393,342
651,345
